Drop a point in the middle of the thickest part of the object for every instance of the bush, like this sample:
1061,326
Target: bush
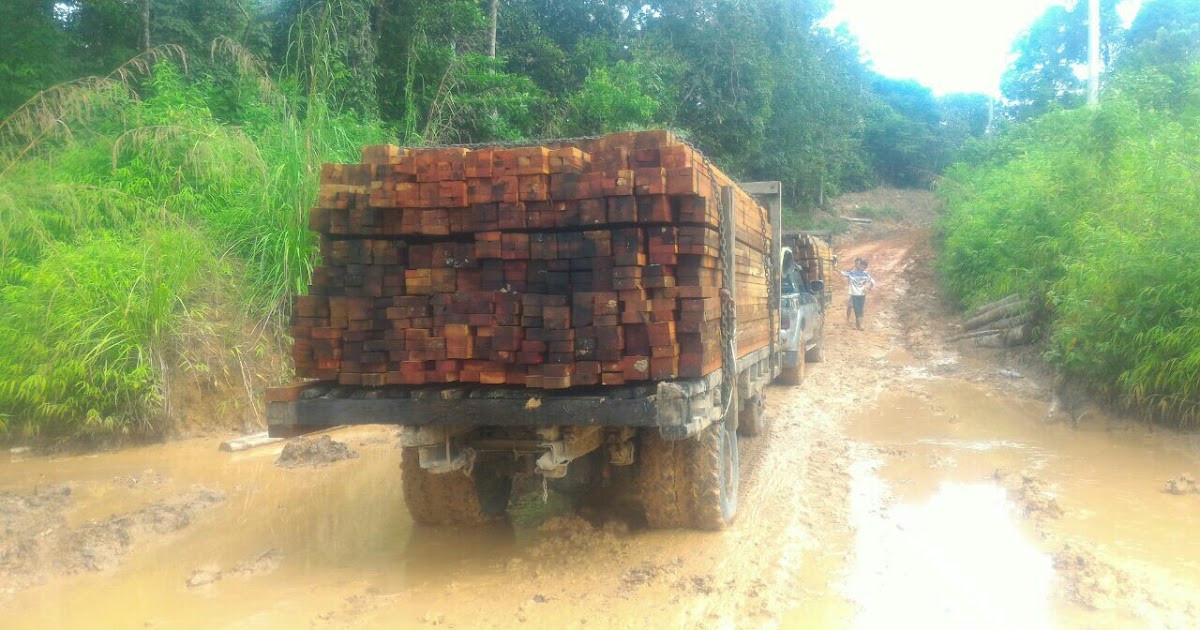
83,334
140,224
1093,214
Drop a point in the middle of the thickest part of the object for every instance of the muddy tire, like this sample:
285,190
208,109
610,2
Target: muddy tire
792,375
714,465
662,479
816,354
752,418
689,483
453,498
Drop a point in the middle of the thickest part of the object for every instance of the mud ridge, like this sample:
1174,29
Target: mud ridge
37,543
305,452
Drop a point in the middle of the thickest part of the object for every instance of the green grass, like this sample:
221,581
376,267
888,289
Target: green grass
140,229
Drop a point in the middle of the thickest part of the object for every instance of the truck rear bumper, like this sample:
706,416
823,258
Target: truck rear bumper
680,408
321,406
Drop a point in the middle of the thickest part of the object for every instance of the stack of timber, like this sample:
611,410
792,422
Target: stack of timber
1001,324
590,262
815,258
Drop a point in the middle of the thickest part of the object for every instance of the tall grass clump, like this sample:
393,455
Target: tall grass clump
85,333
1094,214
138,225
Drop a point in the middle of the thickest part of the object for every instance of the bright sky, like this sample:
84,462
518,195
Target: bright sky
947,45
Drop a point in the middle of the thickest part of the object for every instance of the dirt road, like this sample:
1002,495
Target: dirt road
908,479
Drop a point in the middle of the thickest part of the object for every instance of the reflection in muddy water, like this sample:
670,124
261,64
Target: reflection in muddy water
330,546
949,534
955,560
331,529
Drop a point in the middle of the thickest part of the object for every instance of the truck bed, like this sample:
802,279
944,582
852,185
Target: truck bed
678,407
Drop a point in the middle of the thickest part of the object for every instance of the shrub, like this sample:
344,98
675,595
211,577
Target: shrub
1092,213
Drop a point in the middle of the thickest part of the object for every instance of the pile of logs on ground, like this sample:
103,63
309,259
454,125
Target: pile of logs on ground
591,262
1001,324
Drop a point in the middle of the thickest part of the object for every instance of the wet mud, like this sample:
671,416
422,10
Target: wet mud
314,452
38,544
909,478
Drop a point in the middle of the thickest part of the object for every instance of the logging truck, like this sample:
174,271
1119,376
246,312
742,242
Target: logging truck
573,309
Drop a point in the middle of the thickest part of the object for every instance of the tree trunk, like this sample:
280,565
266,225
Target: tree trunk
146,25
1015,297
495,22
1002,312
995,327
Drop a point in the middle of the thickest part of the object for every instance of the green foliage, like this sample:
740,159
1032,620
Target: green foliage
477,102
332,54
1045,73
626,96
31,51
1091,213
123,227
82,332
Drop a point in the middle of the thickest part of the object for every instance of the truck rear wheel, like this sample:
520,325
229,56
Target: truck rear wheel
714,473
453,498
690,483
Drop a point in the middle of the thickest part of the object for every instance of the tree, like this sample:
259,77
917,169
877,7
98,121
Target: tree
1162,48
901,133
621,97
195,24
1165,35
1051,59
33,51
963,118
1162,17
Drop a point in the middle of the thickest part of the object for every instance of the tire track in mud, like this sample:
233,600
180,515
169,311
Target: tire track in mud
793,534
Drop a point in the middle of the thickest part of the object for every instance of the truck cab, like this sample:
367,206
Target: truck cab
802,319
806,263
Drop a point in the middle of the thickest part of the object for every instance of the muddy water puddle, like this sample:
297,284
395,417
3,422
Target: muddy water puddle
963,499
283,547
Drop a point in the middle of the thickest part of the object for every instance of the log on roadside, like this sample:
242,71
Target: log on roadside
995,327
1018,335
1015,297
1011,309
1006,338
247,442
973,334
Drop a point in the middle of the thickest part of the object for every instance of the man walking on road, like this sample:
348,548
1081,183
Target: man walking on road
860,283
